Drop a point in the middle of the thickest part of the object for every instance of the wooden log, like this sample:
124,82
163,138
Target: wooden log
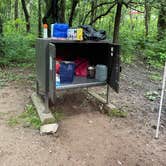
46,118
107,106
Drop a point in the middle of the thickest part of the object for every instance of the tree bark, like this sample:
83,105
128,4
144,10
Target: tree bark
73,8
162,21
1,26
39,19
117,23
1,34
147,17
16,12
93,11
51,15
62,11
27,17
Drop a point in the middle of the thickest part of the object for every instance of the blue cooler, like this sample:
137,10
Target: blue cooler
67,72
60,30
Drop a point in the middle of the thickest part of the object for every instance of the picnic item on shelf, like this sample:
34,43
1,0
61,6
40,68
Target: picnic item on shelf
81,67
66,71
101,73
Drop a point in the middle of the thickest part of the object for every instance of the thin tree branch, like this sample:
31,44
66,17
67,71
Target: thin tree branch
97,6
129,6
103,14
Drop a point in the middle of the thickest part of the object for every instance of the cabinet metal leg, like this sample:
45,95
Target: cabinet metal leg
108,95
46,104
37,87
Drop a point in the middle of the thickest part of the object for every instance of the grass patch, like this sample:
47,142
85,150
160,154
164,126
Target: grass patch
155,77
29,117
58,116
6,76
117,113
3,113
13,121
152,95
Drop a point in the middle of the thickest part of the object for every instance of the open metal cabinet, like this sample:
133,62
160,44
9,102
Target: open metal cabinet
97,52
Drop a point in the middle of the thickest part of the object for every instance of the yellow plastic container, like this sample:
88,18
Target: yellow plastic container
75,34
79,34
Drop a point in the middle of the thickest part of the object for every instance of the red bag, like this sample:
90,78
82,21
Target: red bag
57,65
81,67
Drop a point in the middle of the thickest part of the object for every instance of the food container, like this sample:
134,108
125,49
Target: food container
75,34
66,71
101,73
91,72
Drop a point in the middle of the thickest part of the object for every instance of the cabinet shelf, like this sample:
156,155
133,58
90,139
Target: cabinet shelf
81,82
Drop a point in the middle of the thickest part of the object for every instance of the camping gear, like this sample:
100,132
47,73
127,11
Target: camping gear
66,71
101,72
58,80
100,52
161,102
81,67
91,72
45,31
60,30
75,34
89,33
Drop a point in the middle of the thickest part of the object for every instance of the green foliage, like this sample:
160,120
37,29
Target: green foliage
13,121
117,113
155,51
29,118
18,49
58,116
152,95
155,77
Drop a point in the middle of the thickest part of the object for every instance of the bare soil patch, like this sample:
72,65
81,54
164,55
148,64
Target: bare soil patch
86,137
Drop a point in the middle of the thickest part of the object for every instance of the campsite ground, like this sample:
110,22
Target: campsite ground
86,137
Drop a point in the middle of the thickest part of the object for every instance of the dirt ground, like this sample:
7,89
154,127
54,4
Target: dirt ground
87,137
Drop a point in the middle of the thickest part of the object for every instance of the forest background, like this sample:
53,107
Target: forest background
139,26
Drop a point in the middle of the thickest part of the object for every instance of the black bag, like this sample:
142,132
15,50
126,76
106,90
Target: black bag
89,33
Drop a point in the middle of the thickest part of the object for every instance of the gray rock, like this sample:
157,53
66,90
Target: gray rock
49,128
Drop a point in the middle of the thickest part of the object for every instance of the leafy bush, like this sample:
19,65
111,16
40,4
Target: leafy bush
17,49
154,52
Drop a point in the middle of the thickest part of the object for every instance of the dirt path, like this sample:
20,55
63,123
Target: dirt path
86,137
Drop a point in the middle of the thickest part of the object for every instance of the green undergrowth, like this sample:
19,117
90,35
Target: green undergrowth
18,49
155,76
152,95
29,118
58,116
7,76
117,113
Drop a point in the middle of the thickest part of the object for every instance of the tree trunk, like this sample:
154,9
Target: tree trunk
51,12
27,17
16,12
117,23
147,17
1,26
62,11
39,19
1,34
73,8
93,11
162,21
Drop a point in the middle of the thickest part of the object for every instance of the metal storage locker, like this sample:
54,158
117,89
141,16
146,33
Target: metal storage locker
97,52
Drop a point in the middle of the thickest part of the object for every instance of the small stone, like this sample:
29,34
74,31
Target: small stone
90,121
49,128
120,163
26,125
